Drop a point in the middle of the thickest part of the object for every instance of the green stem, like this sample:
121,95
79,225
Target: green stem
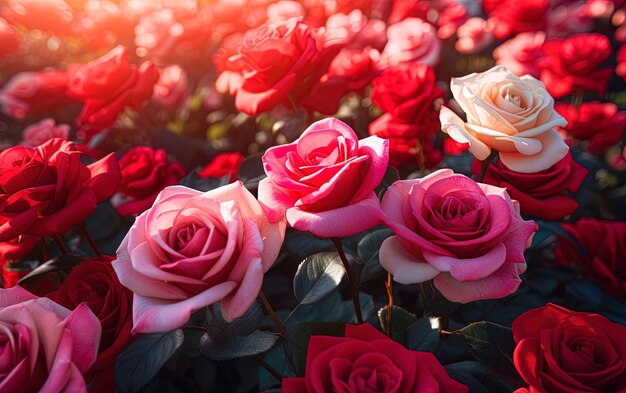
272,314
354,285
268,367
58,239
389,285
485,165
87,236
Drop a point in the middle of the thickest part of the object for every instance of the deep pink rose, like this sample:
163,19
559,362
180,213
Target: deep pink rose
44,347
193,249
324,179
467,236
367,361
411,41
38,133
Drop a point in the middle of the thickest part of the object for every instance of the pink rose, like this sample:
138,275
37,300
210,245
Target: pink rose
172,88
38,133
411,40
523,54
45,347
343,28
467,236
325,179
192,249
284,10
473,36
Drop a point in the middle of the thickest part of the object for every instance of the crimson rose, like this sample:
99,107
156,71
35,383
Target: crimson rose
601,124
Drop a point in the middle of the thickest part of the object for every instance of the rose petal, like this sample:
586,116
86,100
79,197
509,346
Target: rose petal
405,268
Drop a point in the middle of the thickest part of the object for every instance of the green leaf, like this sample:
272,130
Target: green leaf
235,347
242,326
143,358
423,335
478,377
492,345
401,320
251,171
368,250
390,177
297,341
317,277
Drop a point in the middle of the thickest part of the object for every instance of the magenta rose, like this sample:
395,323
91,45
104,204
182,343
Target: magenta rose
44,347
193,249
324,179
466,236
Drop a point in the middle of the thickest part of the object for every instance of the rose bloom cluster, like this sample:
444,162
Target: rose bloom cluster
170,167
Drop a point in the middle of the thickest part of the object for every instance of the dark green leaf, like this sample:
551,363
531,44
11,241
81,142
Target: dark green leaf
297,341
251,171
401,320
143,358
492,345
304,244
235,347
317,277
478,377
423,335
391,176
192,180
51,274
368,250
242,326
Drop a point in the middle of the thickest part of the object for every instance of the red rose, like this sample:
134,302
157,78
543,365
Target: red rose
571,64
366,360
223,164
540,194
411,99
145,172
508,17
621,62
106,86
351,71
601,124
600,251
560,350
53,16
447,15
10,40
46,190
275,64
29,92
14,250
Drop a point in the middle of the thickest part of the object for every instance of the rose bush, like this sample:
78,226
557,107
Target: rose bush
513,115
47,190
45,347
192,249
366,360
560,350
323,179
467,237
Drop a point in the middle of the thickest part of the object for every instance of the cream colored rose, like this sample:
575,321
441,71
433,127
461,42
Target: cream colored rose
513,115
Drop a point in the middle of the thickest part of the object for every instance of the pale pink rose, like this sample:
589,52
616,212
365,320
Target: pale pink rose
325,179
45,347
467,237
343,28
600,8
172,88
513,115
473,36
284,10
411,40
192,249
373,34
523,54
38,133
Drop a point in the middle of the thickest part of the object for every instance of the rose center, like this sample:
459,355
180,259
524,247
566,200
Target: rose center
513,98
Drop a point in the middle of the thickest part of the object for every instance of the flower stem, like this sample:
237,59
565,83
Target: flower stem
268,367
485,165
354,286
272,314
87,236
58,240
389,285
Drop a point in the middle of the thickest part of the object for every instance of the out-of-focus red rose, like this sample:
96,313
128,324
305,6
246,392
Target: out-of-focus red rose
410,98
223,164
601,124
598,247
343,28
145,172
540,194
621,62
12,251
284,10
571,64
567,17
105,22
29,92
411,41
373,34
167,36
453,148
351,71
559,350
172,89
447,15
277,63
94,282
413,152
38,133
522,54
10,40
508,17
473,36
47,190
602,8
106,86
53,16
366,360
